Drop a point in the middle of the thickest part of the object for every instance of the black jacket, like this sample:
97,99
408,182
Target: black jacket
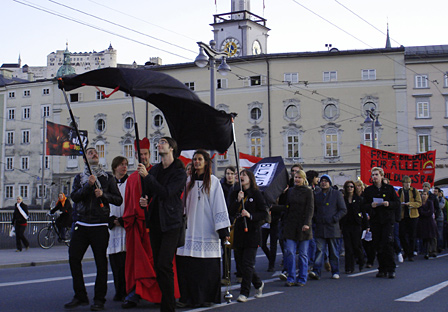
356,213
256,206
300,203
17,216
164,188
381,214
66,217
88,208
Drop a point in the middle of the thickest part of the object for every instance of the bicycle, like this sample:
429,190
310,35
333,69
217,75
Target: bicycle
47,235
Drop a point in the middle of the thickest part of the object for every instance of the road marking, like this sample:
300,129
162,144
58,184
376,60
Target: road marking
423,294
215,306
44,280
362,273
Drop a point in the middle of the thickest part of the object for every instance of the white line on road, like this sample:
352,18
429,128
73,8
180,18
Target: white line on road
423,294
43,280
234,302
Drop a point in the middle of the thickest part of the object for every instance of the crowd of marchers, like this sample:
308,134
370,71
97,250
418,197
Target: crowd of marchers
168,230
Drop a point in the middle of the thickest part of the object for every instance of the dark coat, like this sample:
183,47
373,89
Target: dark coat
164,188
65,219
382,214
427,227
17,216
88,207
256,206
300,203
329,208
356,213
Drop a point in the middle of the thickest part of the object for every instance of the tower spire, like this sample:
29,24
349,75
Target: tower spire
388,46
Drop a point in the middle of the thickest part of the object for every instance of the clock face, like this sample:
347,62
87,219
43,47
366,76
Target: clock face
256,48
231,46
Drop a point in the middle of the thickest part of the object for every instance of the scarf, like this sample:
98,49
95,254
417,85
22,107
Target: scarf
62,201
97,171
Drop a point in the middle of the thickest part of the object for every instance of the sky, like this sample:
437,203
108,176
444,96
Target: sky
140,29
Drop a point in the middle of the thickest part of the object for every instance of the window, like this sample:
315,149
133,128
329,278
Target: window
256,144
368,137
72,161
255,113
46,111
422,109
11,113
100,125
221,83
190,85
423,143
25,163
23,191
25,136
26,112
129,123
129,152
158,121
41,191
293,145
291,77
445,80
9,191
331,143
46,164
45,91
446,106
292,111
9,137
101,149
330,76
255,80
368,107
330,111
368,74
11,95
74,97
421,81
26,93
154,151
9,163
100,95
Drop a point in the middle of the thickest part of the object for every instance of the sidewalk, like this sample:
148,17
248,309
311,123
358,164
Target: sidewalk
9,258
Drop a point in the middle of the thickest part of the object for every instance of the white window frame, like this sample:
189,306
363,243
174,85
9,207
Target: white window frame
24,190
26,93
420,139
128,123
9,191
423,110
39,191
329,76
368,74
26,113
102,122
291,78
47,162
11,114
222,83
446,106
100,95
421,81
26,136
190,85
445,80
331,146
11,95
46,91
25,163
72,97
9,137
256,144
45,110
128,152
367,136
9,163
292,144
72,161
100,147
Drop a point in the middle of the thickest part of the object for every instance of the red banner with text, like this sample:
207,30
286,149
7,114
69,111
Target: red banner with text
419,167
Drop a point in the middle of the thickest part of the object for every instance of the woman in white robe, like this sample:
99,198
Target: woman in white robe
198,261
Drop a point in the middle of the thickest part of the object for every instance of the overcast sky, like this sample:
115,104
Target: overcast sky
170,29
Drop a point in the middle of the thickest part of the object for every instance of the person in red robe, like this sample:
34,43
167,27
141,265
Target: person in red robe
140,274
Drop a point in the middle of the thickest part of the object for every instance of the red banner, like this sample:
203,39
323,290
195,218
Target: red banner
63,141
420,167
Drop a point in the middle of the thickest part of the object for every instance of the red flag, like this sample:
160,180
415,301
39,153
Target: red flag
248,161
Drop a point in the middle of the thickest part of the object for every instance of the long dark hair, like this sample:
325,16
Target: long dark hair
207,181
346,186
253,184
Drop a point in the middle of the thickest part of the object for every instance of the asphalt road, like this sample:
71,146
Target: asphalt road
419,286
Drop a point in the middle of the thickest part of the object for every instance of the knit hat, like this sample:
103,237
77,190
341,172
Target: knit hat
326,177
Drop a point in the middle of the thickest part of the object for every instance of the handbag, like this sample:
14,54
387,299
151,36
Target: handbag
183,229
12,232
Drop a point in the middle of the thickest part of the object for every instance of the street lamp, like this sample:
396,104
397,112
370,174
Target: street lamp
202,60
372,118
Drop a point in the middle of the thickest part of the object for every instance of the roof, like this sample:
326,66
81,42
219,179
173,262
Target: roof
10,65
6,81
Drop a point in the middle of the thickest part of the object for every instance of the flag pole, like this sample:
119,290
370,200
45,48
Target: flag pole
238,165
137,140
78,135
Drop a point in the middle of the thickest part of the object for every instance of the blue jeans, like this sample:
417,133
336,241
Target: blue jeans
290,260
333,248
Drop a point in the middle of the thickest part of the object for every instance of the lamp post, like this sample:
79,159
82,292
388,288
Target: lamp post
202,60
372,118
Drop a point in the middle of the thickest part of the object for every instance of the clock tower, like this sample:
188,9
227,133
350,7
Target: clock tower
240,32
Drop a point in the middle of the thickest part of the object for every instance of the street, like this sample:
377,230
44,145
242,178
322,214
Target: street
419,285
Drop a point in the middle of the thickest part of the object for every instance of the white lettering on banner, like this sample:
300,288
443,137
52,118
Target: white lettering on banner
264,173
